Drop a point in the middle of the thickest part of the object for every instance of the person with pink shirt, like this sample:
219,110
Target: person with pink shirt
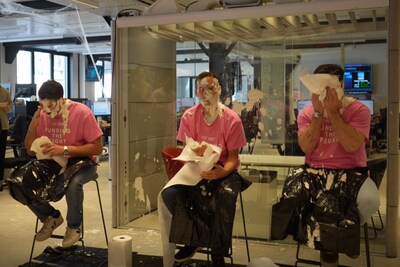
209,122
75,135
333,191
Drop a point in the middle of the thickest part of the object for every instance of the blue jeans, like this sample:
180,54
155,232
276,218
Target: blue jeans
74,197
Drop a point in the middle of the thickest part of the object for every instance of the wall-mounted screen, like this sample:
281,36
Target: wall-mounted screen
369,103
91,75
25,90
358,78
101,108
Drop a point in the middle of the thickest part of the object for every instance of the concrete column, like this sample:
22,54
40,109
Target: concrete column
393,129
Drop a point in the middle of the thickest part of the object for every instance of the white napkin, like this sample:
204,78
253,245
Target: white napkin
317,83
35,147
189,174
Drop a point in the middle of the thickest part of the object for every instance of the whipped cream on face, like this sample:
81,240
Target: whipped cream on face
57,107
210,91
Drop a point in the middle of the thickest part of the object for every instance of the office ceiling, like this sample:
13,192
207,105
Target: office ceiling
65,26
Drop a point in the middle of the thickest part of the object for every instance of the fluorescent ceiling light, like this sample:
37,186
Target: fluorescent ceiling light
89,3
29,38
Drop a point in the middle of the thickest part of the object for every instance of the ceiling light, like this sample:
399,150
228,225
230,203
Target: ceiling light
89,3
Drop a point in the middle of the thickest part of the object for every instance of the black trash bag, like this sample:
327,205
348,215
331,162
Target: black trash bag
40,181
204,213
323,219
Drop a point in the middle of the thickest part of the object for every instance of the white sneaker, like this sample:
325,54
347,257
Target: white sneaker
72,235
49,225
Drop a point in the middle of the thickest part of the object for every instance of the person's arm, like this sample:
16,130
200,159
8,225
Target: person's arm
86,150
309,138
348,137
31,135
222,171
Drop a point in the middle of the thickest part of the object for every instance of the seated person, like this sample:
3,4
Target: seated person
74,133
215,124
332,188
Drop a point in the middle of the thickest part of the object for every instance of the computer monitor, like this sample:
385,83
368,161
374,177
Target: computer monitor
302,104
25,90
358,79
101,108
369,103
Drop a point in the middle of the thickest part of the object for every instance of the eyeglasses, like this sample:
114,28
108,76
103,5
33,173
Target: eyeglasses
208,87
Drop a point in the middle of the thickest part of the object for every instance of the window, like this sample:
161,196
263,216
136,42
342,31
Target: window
103,87
37,67
24,69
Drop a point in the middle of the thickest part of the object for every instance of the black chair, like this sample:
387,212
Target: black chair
94,179
19,130
16,142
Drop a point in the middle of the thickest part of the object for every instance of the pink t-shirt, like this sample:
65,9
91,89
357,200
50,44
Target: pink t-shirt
82,127
329,153
225,132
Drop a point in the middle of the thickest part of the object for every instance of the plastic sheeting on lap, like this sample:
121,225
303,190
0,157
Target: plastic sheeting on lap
205,212
318,207
39,181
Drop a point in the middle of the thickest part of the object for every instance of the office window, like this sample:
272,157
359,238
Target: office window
42,68
103,87
38,66
61,70
24,67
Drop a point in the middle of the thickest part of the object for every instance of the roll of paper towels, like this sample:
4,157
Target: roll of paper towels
120,251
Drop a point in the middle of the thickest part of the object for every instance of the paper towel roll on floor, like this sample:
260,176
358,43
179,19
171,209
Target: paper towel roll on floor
120,251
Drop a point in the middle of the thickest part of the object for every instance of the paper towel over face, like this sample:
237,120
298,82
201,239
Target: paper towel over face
36,147
120,251
317,83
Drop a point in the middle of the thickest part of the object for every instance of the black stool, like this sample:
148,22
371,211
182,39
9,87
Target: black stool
82,230
311,262
208,252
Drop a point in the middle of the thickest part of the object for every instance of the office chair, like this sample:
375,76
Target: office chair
19,130
172,167
16,142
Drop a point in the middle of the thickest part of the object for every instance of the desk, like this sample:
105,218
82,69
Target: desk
271,161
291,161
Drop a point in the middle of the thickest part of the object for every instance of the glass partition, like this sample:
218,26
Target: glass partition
258,62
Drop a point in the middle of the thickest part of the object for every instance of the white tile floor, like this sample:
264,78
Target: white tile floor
17,230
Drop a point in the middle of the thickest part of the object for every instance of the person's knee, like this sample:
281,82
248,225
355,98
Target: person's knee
168,196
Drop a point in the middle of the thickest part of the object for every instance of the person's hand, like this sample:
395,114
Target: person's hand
332,102
217,172
52,150
317,104
199,150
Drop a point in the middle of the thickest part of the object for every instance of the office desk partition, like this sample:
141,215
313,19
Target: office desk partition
270,161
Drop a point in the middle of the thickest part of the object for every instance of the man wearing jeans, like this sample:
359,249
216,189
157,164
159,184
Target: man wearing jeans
73,132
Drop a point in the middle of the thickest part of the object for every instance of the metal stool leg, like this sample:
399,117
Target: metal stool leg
82,225
101,210
244,227
367,245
